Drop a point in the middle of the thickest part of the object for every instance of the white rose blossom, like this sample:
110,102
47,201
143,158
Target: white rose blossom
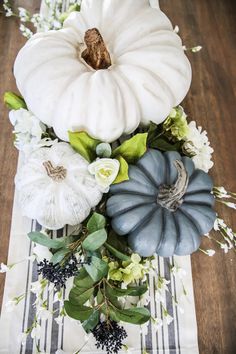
198,145
105,171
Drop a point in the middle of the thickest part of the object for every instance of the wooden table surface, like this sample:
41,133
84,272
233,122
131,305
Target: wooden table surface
212,102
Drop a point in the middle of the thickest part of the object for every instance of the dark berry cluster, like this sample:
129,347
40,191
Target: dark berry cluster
56,273
109,336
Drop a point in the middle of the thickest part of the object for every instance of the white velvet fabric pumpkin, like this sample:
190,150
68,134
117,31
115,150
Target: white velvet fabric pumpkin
149,74
55,188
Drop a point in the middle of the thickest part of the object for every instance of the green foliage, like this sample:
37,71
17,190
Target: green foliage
84,144
123,174
95,240
46,241
132,149
96,222
116,253
98,268
64,15
14,101
59,255
80,313
136,315
176,124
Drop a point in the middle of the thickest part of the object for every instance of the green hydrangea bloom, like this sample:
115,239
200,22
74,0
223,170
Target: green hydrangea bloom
176,123
130,271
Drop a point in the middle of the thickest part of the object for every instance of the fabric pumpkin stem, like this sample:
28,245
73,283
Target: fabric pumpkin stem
57,173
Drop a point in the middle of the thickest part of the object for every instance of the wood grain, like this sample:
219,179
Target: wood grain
212,102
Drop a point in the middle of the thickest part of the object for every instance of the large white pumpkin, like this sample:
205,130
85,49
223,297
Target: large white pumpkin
55,187
149,72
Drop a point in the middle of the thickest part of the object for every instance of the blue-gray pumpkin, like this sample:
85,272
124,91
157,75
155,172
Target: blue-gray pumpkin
164,207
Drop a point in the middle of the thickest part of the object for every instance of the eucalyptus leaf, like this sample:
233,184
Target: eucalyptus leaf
46,241
84,144
123,174
92,321
95,240
80,313
96,222
130,291
14,101
78,296
117,253
83,280
132,149
97,269
59,255
135,315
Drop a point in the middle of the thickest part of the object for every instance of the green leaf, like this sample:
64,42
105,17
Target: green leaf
164,145
78,296
97,269
132,149
123,174
14,101
130,291
84,144
135,315
92,321
83,280
80,313
44,240
59,255
96,222
117,253
95,240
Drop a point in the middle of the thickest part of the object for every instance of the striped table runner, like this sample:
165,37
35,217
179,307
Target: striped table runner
179,337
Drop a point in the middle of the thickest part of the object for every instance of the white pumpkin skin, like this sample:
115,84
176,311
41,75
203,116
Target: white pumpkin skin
149,75
57,203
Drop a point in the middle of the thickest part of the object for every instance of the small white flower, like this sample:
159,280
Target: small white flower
168,319
197,145
105,171
36,287
41,253
43,313
10,305
22,337
196,49
178,272
176,29
28,131
23,14
36,332
26,32
230,205
157,323
59,320
4,268
210,252
225,247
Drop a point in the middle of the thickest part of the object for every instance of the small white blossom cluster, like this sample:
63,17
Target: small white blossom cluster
28,131
221,193
198,146
229,237
54,19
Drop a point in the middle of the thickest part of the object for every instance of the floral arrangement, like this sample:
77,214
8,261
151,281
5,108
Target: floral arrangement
131,187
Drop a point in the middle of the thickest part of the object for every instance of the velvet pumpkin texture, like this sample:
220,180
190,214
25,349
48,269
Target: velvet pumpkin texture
165,207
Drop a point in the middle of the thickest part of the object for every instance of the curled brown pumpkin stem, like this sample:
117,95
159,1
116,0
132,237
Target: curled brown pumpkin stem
57,173
96,55
171,197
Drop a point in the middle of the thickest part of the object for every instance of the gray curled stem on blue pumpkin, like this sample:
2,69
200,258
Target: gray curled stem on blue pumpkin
171,197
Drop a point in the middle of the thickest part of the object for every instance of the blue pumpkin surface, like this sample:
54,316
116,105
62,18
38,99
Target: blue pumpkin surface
136,210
